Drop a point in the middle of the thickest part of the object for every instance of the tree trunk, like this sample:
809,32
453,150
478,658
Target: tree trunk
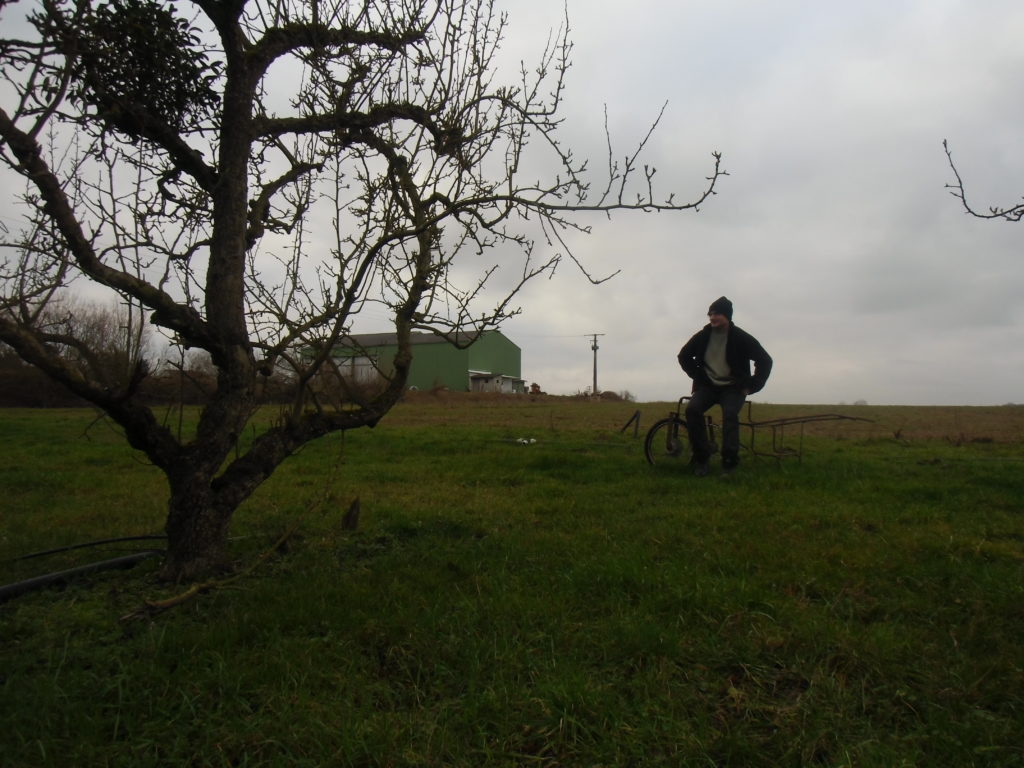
197,532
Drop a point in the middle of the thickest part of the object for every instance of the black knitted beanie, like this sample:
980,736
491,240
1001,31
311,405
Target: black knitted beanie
721,305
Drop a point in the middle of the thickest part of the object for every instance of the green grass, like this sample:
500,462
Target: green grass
552,604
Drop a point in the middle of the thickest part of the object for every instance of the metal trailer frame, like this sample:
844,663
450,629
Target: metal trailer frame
779,449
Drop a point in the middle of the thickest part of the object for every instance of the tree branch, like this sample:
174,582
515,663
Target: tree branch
1013,214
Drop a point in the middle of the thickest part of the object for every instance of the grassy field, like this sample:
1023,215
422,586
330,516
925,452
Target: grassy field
555,603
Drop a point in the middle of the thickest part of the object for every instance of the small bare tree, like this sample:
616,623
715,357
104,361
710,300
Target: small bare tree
106,343
254,173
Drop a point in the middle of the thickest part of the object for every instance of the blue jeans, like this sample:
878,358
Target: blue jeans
731,399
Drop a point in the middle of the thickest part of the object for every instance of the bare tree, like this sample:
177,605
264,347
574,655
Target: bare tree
1011,213
107,343
256,173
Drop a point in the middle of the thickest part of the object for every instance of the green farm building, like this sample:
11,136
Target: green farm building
490,364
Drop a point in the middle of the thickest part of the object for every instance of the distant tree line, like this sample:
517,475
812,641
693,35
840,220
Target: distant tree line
117,345
24,386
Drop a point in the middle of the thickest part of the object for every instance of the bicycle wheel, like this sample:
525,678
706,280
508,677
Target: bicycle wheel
667,442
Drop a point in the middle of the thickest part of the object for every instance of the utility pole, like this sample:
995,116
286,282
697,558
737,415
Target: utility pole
593,346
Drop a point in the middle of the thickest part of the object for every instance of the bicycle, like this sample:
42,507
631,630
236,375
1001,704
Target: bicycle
667,441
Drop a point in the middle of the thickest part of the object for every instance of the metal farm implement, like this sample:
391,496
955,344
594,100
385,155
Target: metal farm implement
667,441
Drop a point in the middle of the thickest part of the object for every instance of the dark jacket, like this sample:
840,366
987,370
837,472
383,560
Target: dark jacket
740,349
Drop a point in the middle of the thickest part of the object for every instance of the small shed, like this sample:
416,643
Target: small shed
491,362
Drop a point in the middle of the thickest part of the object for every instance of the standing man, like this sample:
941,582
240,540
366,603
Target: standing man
718,359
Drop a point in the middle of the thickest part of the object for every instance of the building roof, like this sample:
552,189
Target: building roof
365,340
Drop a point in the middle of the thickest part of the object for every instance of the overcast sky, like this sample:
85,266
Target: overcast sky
834,234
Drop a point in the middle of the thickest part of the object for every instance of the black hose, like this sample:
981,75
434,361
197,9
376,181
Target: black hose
126,561
69,547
